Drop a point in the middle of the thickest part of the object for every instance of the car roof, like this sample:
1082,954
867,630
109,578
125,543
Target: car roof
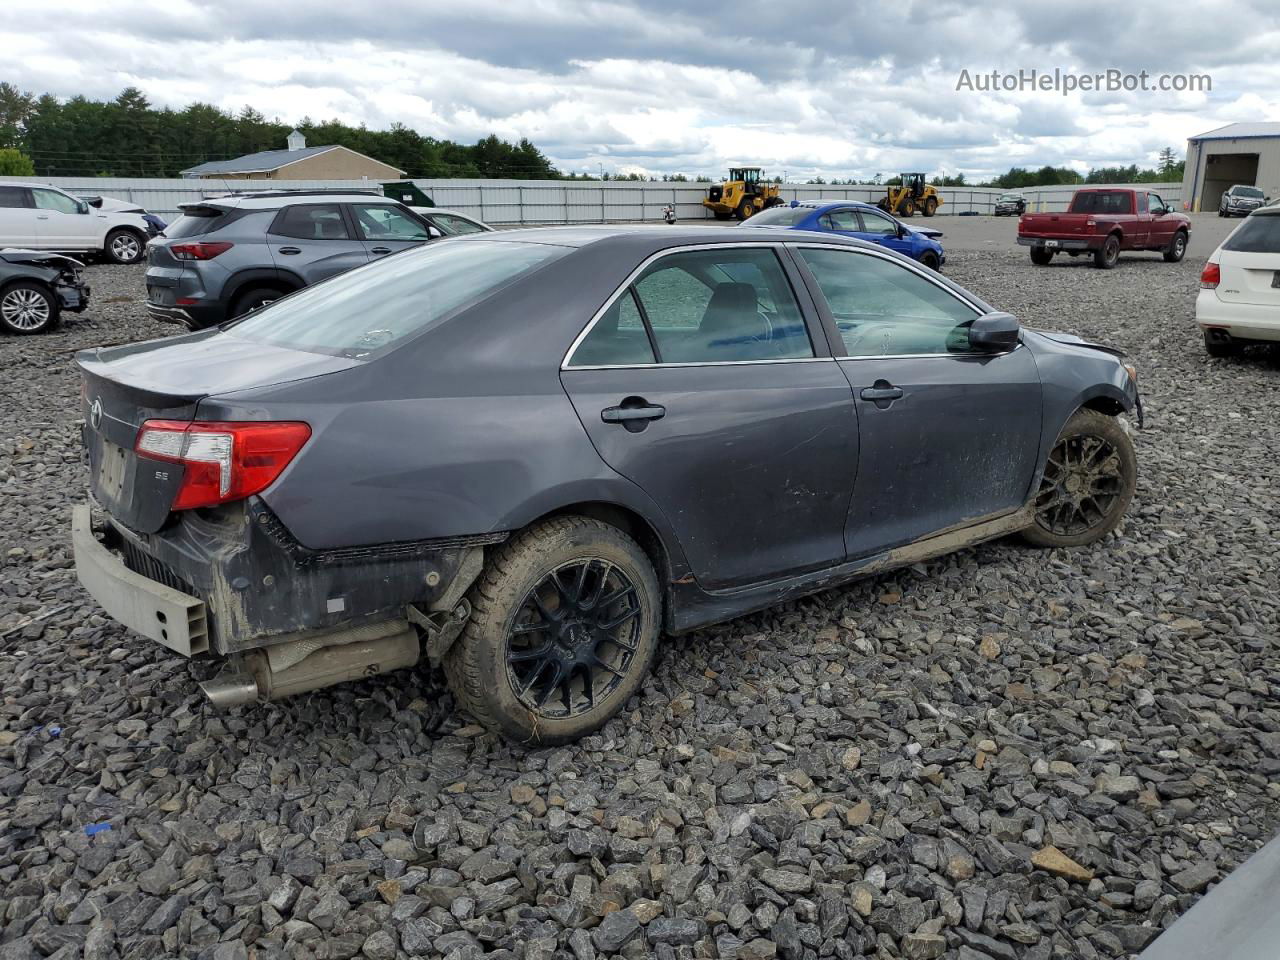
274,200
21,183
655,237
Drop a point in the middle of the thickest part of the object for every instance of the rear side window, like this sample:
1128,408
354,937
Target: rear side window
318,221
1103,201
841,220
365,312
781,216
1258,234
13,197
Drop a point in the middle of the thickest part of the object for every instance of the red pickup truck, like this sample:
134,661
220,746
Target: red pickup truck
1103,222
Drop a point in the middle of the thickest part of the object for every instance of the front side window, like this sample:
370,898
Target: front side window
13,197
1157,205
53,200
318,221
712,306
385,222
878,224
363,312
883,308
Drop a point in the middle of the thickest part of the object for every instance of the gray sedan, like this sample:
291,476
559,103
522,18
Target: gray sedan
525,456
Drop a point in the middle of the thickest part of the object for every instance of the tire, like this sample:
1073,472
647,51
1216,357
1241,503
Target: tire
1041,257
1217,348
526,580
252,299
745,210
930,260
722,214
909,208
124,246
1080,502
1107,255
1177,247
27,307
930,206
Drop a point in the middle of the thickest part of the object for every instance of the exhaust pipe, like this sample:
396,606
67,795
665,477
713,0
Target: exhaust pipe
278,671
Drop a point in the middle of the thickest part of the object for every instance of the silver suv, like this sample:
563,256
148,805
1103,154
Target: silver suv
224,257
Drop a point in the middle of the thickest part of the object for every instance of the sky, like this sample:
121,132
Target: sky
803,88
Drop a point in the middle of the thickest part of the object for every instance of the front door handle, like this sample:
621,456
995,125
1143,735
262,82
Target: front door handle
289,251
879,392
380,250
633,414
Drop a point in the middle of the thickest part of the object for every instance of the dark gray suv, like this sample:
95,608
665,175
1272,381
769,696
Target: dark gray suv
224,257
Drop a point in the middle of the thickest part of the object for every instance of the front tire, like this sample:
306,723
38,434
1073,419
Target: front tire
930,260
565,621
930,207
1107,255
1177,247
1087,485
124,246
745,210
27,307
1041,257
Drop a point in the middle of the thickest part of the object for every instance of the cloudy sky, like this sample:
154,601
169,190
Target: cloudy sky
830,87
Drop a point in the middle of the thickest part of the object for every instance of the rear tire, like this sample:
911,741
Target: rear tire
1107,255
1041,257
252,299
27,307
124,246
1177,247
502,668
1087,485
1220,348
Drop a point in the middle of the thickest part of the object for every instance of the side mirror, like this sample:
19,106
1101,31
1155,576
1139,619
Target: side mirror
994,332
82,207
434,233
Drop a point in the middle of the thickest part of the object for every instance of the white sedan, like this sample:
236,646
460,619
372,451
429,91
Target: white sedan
1239,301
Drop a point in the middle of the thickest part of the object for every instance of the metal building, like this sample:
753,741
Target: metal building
1245,153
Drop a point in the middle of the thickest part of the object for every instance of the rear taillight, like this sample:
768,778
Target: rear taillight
199,251
1210,277
224,461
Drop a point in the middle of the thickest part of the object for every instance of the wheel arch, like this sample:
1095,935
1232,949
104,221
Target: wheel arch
284,280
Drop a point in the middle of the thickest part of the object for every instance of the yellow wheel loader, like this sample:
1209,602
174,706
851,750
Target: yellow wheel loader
912,195
742,195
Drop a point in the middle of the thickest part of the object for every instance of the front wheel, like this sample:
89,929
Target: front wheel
27,307
565,622
930,207
1087,485
745,210
930,260
1041,257
1177,248
1107,255
124,246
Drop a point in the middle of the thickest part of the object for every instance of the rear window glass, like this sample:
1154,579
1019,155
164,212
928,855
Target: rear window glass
1258,234
194,224
1103,201
780,216
368,310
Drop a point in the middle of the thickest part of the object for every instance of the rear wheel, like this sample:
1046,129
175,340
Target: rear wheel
565,622
931,206
1041,257
124,246
252,299
1177,247
1107,255
1087,485
1220,348
27,307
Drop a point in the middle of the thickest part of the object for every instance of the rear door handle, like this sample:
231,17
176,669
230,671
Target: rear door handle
633,414
289,251
380,250
881,393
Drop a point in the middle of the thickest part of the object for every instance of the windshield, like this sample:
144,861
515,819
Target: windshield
780,216
1260,233
1253,193
1010,196
367,310
1102,201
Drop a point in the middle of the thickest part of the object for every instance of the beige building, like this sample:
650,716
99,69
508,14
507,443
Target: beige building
297,162
1239,153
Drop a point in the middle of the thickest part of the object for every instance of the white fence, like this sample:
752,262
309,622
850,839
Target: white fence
514,202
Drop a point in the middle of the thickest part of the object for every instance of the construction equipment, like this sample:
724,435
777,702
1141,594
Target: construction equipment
742,195
913,194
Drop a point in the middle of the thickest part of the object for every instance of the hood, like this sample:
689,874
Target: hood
38,258
931,232
1070,338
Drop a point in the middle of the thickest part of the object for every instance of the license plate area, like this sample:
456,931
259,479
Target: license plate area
113,462
162,296
1051,244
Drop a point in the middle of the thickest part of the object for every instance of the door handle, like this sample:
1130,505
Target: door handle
380,250
633,414
878,392
42,216
289,251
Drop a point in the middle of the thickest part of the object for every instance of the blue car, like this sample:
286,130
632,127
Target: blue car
861,220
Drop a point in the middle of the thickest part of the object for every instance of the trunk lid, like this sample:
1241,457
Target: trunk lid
1054,224
166,380
1249,277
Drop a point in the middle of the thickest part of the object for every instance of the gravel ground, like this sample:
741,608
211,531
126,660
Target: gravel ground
1005,753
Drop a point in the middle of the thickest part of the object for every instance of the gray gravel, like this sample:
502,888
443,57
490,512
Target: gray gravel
1004,753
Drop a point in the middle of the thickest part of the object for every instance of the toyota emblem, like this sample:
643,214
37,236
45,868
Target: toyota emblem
95,414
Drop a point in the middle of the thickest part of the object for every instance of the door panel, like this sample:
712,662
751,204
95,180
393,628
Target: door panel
59,222
17,218
960,443
314,241
752,463
880,229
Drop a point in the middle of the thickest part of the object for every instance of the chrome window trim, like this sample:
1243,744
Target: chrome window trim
702,363
775,245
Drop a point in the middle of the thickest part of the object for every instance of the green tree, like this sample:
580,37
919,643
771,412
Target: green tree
15,163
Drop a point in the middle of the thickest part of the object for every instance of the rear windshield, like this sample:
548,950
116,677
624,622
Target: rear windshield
1258,234
368,310
780,216
195,223
1253,193
1102,201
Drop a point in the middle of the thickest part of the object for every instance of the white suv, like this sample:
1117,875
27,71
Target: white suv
1239,299
35,217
